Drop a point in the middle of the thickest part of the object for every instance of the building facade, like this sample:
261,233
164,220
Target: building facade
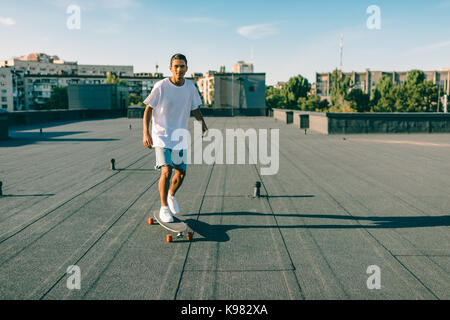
6,89
26,83
233,90
242,67
367,80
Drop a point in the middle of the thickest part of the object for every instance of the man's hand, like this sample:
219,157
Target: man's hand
204,128
147,140
198,116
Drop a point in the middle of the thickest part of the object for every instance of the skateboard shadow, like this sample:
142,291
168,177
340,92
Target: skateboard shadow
218,233
214,233
137,170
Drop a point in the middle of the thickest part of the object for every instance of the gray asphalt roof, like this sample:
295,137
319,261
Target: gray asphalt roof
338,205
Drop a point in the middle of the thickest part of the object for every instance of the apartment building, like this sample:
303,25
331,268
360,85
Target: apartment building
6,88
27,82
367,80
41,63
243,67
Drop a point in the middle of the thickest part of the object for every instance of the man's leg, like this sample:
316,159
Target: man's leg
164,182
177,181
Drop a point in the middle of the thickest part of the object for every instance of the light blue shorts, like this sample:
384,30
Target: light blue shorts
177,159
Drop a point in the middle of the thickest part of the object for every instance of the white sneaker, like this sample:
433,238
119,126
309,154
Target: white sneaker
165,215
173,204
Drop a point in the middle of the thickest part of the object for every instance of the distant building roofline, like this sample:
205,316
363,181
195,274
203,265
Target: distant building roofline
382,71
123,77
233,73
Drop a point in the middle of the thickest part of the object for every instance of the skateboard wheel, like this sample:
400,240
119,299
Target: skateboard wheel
150,220
169,238
189,236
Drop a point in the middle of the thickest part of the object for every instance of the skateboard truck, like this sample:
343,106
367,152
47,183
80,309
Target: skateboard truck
179,236
188,235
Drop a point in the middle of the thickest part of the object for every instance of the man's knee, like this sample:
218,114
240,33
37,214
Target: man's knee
166,172
180,173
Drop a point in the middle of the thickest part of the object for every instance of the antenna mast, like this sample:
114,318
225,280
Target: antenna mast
341,50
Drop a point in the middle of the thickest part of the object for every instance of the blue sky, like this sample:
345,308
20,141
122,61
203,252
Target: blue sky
282,38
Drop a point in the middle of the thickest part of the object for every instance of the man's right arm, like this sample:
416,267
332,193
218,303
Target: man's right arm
147,138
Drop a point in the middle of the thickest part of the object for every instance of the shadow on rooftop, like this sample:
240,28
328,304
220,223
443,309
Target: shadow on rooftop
23,138
262,196
26,195
290,196
218,233
137,170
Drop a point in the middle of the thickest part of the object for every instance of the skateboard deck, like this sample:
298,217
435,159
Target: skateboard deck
176,226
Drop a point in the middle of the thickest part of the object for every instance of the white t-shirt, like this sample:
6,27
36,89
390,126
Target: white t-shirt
172,106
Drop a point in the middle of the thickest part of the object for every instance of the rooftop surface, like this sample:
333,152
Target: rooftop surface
338,205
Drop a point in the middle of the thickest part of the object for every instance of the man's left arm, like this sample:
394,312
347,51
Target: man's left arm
198,116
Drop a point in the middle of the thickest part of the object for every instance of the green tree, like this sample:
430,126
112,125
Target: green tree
310,103
385,96
274,98
58,100
112,78
134,99
420,94
416,95
340,87
359,100
297,87
324,105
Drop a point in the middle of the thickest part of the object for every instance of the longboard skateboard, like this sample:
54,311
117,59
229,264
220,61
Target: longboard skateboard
177,227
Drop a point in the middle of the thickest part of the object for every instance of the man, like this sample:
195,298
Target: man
169,106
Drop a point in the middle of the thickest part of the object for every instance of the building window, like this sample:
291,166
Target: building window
252,88
4,106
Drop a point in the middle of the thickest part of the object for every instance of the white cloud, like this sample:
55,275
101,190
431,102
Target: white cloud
258,31
7,21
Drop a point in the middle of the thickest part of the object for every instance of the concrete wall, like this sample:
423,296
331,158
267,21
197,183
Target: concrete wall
3,125
348,123
388,123
138,112
284,115
97,97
